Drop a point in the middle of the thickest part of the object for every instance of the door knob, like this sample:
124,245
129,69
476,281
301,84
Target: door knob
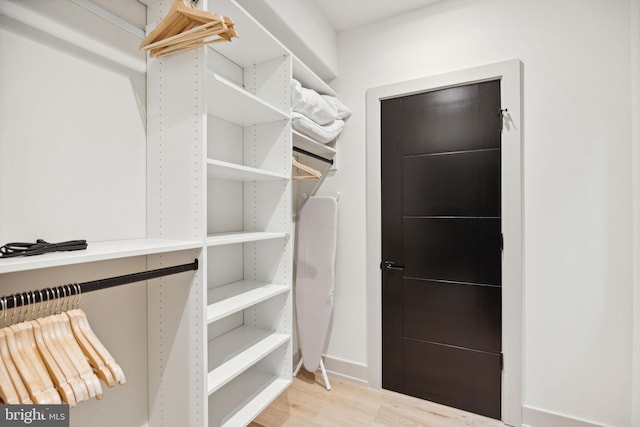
390,265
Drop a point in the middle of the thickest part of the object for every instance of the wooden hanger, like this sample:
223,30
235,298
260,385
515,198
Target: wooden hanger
65,335
80,389
67,345
100,359
16,379
30,378
24,334
18,350
96,362
56,366
311,173
8,392
81,327
58,377
21,336
186,27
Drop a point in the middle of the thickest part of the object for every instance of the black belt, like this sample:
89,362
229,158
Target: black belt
40,247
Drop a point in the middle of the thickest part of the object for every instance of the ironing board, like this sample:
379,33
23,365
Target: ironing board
317,237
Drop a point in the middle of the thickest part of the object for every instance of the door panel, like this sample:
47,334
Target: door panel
459,184
454,119
453,376
453,314
441,237
458,249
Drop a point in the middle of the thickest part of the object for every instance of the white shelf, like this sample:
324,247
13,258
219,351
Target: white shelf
234,172
254,44
97,251
218,239
228,299
247,396
238,350
234,104
306,143
309,79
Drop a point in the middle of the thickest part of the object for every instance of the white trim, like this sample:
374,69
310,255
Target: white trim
635,150
341,368
509,72
534,417
346,370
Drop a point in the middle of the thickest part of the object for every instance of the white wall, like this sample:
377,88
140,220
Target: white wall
577,173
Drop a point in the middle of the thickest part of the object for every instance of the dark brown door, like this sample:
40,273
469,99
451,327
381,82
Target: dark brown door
441,246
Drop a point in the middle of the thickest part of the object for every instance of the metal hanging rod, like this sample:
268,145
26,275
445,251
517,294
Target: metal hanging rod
310,154
43,295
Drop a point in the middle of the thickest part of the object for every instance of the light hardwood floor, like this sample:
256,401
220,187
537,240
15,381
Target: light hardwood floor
306,403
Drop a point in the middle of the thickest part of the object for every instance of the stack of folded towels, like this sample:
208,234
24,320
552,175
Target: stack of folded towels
320,117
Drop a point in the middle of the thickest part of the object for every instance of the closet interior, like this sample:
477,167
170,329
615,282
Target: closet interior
157,161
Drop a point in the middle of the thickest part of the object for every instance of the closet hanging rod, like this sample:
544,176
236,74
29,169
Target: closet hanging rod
43,295
310,154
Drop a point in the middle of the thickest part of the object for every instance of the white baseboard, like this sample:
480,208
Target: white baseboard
534,417
340,368
346,370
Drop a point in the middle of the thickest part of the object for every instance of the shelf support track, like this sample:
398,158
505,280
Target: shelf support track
34,297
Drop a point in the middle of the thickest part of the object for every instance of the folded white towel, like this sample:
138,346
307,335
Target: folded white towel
308,102
322,134
342,111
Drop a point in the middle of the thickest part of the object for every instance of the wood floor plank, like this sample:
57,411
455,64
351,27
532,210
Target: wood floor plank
306,403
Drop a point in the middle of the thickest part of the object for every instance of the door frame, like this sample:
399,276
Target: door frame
510,75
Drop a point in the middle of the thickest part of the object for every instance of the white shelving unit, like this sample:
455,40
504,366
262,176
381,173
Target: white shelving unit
248,220
221,136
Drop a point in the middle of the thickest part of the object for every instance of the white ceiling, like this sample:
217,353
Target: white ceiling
346,14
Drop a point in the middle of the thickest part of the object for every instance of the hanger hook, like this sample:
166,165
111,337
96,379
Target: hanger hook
79,293
47,308
33,305
3,302
71,296
22,308
25,307
65,298
15,309
57,304
41,303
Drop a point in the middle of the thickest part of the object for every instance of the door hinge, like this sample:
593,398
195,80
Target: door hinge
501,361
501,242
